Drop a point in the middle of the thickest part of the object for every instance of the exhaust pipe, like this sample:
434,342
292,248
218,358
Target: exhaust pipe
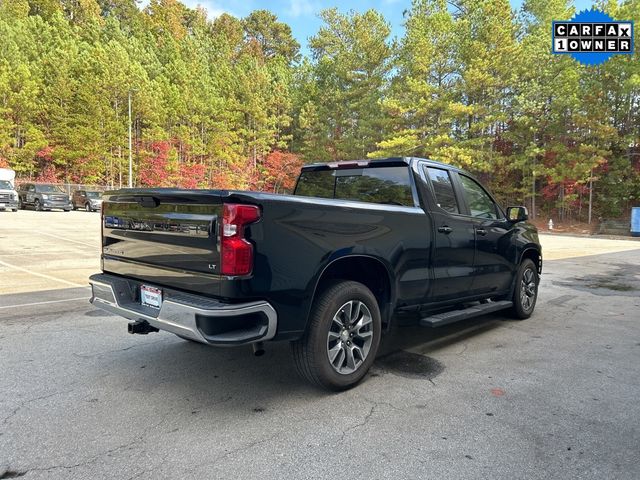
258,349
141,328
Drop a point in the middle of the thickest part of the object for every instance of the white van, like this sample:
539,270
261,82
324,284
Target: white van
8,194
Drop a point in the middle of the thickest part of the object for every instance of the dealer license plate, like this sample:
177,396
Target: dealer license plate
150,296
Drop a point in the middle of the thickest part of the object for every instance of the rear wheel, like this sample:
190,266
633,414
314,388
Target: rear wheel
342,337
525,292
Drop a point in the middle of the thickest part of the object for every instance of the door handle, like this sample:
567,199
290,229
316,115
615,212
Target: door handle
481,231
445,229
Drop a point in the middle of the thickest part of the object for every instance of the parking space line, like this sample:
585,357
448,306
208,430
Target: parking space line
45,303
69,240
42,275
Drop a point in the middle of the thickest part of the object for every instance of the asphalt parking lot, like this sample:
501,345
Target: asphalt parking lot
555,396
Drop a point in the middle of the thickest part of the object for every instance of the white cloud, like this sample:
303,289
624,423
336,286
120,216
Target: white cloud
299,8
214,10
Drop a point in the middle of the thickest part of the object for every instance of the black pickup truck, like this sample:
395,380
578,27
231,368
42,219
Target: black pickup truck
329,268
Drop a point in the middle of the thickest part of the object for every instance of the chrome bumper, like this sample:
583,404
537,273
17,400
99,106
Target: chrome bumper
192,316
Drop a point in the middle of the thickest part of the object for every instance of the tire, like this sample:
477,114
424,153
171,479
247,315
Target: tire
37,206
87,207
333,331
14,209
525,292
20,204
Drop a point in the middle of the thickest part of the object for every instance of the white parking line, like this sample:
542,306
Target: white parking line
45,303
94,246
42,275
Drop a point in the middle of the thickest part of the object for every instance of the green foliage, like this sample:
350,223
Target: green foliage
341,115
218,94
232,103
478,87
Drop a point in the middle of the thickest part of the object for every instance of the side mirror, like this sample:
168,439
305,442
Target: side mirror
517,214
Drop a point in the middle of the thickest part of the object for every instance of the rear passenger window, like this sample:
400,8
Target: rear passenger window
390,185
443,189
316,183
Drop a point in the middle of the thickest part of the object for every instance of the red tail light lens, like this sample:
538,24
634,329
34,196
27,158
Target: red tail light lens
236,253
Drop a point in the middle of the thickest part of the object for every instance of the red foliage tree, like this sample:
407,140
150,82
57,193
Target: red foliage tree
192,175
46,168
282,169
153,171
79,171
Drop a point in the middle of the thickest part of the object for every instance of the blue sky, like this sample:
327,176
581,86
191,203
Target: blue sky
302,15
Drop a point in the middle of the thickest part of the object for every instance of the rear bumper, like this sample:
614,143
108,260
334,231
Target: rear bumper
196,317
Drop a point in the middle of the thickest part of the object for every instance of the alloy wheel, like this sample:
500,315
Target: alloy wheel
350,337
528,289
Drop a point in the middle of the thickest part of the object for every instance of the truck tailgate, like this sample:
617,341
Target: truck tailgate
163,236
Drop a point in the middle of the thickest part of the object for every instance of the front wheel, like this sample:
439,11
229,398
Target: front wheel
87,207
342,337
37,205
525,292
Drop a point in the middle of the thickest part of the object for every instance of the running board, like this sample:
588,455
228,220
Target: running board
446,318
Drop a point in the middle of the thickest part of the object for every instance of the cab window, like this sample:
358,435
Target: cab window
479,201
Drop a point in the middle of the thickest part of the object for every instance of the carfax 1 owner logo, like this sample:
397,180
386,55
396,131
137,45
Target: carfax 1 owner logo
592,37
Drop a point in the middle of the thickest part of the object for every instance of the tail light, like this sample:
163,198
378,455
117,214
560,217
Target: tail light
236,253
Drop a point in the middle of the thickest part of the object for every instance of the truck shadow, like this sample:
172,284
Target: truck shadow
414,337
206,379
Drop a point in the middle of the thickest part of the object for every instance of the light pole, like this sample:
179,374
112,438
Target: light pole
130,153
590,194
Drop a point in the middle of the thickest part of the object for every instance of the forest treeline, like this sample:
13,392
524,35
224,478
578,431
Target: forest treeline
232,103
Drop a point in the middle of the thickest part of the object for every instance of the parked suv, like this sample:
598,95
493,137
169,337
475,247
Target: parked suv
43,197
8,194
87,199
